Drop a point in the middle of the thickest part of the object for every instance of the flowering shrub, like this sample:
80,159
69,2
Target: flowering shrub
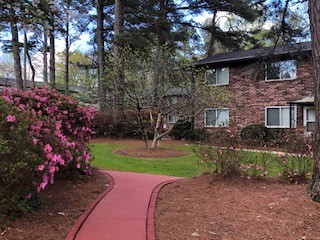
227,160
42,132
297,160
225,156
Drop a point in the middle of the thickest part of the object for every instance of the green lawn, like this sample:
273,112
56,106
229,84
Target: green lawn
185,166
178,166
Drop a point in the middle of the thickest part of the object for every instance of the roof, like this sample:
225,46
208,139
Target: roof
306,100
11,82
254,54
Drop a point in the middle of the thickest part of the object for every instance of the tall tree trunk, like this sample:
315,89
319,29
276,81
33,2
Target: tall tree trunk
25,49
119,68
15,49
314,12
67,45
213,34
45,51
52,50
101,61
33,71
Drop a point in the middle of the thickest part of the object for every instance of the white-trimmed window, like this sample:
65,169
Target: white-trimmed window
171,118
214,117
309,118
217,76
279,117
282,70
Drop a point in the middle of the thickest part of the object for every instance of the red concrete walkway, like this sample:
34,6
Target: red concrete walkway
121,214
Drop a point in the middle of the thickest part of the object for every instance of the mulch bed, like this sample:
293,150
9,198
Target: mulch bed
62,204
208,207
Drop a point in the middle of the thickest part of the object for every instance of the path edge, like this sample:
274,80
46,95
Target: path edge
150,224
77,226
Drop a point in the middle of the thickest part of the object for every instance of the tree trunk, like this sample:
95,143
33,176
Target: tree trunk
32,70
15,49
156,135
101,61
52,50
119,68
45,50
25,41
314,15
213,30
67,45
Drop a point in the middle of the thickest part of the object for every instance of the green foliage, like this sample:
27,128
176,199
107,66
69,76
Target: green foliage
199,134
18,165
126,125
180,129
294,164
255,135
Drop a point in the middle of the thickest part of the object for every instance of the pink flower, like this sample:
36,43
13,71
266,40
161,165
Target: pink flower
29,196
35,141
41,167
11,118
48,148
78,165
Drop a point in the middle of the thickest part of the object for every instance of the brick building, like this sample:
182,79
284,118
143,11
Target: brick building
267,86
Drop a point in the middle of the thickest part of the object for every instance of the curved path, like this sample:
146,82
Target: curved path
125,211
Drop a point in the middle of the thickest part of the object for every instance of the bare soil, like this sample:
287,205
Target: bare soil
211,208
62,204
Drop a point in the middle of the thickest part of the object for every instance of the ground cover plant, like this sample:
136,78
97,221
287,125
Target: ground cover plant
42,132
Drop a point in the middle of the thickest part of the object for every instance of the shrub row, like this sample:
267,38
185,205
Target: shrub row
124,125
230,160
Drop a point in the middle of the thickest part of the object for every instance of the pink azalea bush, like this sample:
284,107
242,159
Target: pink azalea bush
42,132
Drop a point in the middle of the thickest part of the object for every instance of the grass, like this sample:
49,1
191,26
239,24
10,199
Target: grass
185,166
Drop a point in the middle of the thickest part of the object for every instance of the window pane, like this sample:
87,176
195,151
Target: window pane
285,117
223,76
171,118
273,117
288,69
311,115
273,71
210,76
223,117
211,117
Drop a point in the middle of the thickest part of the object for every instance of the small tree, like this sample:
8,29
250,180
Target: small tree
180,90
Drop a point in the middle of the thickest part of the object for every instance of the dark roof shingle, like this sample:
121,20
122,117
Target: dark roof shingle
253,54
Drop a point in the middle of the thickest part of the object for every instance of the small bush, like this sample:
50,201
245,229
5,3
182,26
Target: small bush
200,134
180,129
255,135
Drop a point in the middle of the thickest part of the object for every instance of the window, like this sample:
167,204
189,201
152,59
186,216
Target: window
217,76
216,117
171,118
309,119
281,70
279,117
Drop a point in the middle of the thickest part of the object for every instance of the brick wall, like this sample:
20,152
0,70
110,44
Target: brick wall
249,95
